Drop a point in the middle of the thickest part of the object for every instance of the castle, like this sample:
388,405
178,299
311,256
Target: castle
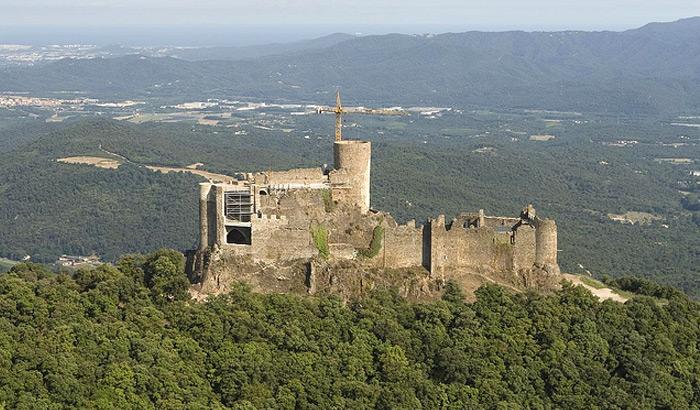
305,230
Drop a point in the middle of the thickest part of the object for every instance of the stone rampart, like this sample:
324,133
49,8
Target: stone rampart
292,176
402,246
476,249
524,248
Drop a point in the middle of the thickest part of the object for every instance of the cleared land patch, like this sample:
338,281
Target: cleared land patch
596,288
542,138
99,162
633,217
6,264
109,163
675,161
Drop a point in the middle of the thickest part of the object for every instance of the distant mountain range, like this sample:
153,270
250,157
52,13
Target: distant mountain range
251,52
651,70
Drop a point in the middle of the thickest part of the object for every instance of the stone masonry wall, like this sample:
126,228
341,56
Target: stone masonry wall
402,247
476,249
524,248
292,176
354,159
272,239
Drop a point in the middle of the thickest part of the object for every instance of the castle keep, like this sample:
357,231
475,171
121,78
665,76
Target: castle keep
299,230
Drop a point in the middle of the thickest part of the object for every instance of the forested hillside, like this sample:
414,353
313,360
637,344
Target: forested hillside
49,208
129,337
650,70
461,160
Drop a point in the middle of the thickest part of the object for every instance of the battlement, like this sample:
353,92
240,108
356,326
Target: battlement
262,217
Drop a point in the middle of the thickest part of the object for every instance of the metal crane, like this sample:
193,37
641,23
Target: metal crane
339,110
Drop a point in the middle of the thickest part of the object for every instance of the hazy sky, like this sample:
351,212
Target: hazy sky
611,14
101,20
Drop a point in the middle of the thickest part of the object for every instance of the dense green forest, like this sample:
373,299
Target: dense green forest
129,337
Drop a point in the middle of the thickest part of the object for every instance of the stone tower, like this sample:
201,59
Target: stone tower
546,246
352,160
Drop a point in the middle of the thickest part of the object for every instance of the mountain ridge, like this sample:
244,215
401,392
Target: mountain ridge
650,70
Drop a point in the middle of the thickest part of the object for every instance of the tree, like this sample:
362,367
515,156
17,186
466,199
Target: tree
164,274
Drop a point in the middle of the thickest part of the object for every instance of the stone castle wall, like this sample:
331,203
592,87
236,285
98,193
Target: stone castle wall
402,246
273,239
282,232
478,249
207,209
292,176
524,248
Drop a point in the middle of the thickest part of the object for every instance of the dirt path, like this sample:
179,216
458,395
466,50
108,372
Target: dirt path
208,175
111,163
602,294
122,157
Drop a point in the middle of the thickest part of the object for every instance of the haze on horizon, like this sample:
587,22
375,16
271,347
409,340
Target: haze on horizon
243,22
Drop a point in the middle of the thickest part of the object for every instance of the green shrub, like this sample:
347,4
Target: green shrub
375,244
319,233
328,203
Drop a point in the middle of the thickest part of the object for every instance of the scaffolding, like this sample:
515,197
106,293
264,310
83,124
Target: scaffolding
238,206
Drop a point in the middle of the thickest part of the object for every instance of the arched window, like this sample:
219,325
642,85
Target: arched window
238,236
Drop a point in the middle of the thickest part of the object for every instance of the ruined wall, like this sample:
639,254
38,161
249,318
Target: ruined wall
292,176
402,246
497,221
281,231
342,190
211,230
273,238
347,225
524,248
300,206
204,220
478,249
353,158
219,217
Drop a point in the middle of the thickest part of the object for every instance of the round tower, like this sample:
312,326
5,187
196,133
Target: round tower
546,245
353,159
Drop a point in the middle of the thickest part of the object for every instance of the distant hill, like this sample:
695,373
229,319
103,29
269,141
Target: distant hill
650,70
251,52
